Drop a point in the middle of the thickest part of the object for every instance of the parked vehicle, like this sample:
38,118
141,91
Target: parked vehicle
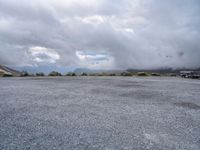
190,74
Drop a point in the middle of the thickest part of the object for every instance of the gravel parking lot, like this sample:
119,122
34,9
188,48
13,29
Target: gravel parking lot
111,113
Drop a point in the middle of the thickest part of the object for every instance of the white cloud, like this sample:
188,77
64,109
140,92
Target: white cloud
95,59
129,30
91,56
94,19
43,55
5,24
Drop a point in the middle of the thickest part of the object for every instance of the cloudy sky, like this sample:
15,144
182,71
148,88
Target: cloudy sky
100,34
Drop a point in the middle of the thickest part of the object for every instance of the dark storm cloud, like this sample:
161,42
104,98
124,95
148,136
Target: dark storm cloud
130,33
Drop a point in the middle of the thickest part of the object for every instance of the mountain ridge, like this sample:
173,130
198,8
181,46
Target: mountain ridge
6,71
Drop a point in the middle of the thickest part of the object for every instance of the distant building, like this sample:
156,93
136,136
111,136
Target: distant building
190,74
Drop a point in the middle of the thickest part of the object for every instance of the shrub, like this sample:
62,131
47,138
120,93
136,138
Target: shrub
104,74
125,74
142,74
7,75
68,74
93,74
39,74
172,75
112,74
31,75
84,74
155,74
24,74
73,74
1,74
54,73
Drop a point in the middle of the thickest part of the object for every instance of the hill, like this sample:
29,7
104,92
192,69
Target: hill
162,70
93,71
6,71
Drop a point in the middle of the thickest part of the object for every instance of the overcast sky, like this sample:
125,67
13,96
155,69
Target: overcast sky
100,34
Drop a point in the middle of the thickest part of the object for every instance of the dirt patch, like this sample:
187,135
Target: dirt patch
130,85
188,105
141,94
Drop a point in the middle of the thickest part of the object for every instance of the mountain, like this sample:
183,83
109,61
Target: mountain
83,70
6,71
45,69
162,70
86,70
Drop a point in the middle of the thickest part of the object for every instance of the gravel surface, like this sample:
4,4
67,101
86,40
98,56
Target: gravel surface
111,113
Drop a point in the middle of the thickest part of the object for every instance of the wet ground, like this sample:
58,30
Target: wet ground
110,113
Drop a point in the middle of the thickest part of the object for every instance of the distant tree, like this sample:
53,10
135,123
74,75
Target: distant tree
142,74
54,73
99,74
104,74
31,75
24,74
112,74
92,74
84,74
1,74
155,74
73,74
172,75
125,74
68,74
40,74
7,75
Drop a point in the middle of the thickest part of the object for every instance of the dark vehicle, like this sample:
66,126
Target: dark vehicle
190,74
